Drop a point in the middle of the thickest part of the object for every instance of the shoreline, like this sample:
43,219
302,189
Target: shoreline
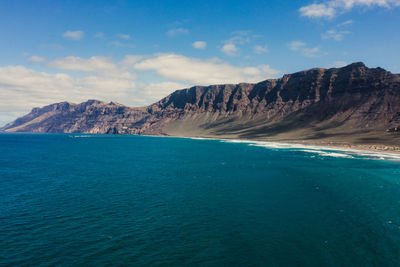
375,150
378,151
359,147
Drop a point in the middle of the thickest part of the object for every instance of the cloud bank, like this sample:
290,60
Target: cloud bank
135,80
332,8
203,72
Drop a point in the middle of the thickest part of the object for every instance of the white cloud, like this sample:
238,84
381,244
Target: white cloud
124,36
199,45
305,51
130,60
74,35
230,49
177,31
338,64
36,59
9,116
334,34
119,44
155,91
311,52
93,64
22,88
317,11
129,81
97,64
239,38
118,86
332,8
259,49
348,4
296,45
203,72
345,23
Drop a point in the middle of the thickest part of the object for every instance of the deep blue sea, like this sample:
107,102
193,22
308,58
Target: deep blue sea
97,200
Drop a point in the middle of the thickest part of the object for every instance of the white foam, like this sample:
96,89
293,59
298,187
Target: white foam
320,150
201,138
80,136
328,154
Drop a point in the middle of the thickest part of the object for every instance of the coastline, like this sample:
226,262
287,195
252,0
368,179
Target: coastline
368,150
349,146
376,150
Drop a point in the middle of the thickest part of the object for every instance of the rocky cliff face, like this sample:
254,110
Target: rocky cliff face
316,103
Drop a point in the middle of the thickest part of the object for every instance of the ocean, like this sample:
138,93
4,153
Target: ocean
96,200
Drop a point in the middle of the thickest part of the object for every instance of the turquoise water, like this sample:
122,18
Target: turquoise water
149,201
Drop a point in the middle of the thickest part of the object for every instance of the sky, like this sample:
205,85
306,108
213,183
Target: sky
136,52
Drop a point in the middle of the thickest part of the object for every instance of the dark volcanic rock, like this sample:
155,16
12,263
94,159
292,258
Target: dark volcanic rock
351,99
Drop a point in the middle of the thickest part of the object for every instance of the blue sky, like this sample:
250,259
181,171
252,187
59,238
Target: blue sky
135,52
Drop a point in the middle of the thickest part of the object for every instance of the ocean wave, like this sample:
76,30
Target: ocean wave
328,154
201,138
380,155
81,136
320,150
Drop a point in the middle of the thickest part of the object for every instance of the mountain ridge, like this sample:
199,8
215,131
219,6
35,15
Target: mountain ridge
354,103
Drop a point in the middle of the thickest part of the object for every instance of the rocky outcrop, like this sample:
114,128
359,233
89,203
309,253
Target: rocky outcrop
316,103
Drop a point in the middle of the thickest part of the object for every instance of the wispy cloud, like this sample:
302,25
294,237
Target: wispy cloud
74,35
36,59
124,36
334,35
311,52
199,45
52,46
241,37
345,23
304,50
177,31
99,35
119,44
230,49
332,8
296,45
259,49
238,38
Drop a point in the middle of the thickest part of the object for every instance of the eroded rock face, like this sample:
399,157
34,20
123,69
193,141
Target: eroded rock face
353,96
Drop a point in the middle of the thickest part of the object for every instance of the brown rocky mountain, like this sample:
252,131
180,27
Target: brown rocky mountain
353,104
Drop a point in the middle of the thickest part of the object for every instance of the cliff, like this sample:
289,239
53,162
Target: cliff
354,103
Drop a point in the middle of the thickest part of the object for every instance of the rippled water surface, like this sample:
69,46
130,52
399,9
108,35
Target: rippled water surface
94,200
